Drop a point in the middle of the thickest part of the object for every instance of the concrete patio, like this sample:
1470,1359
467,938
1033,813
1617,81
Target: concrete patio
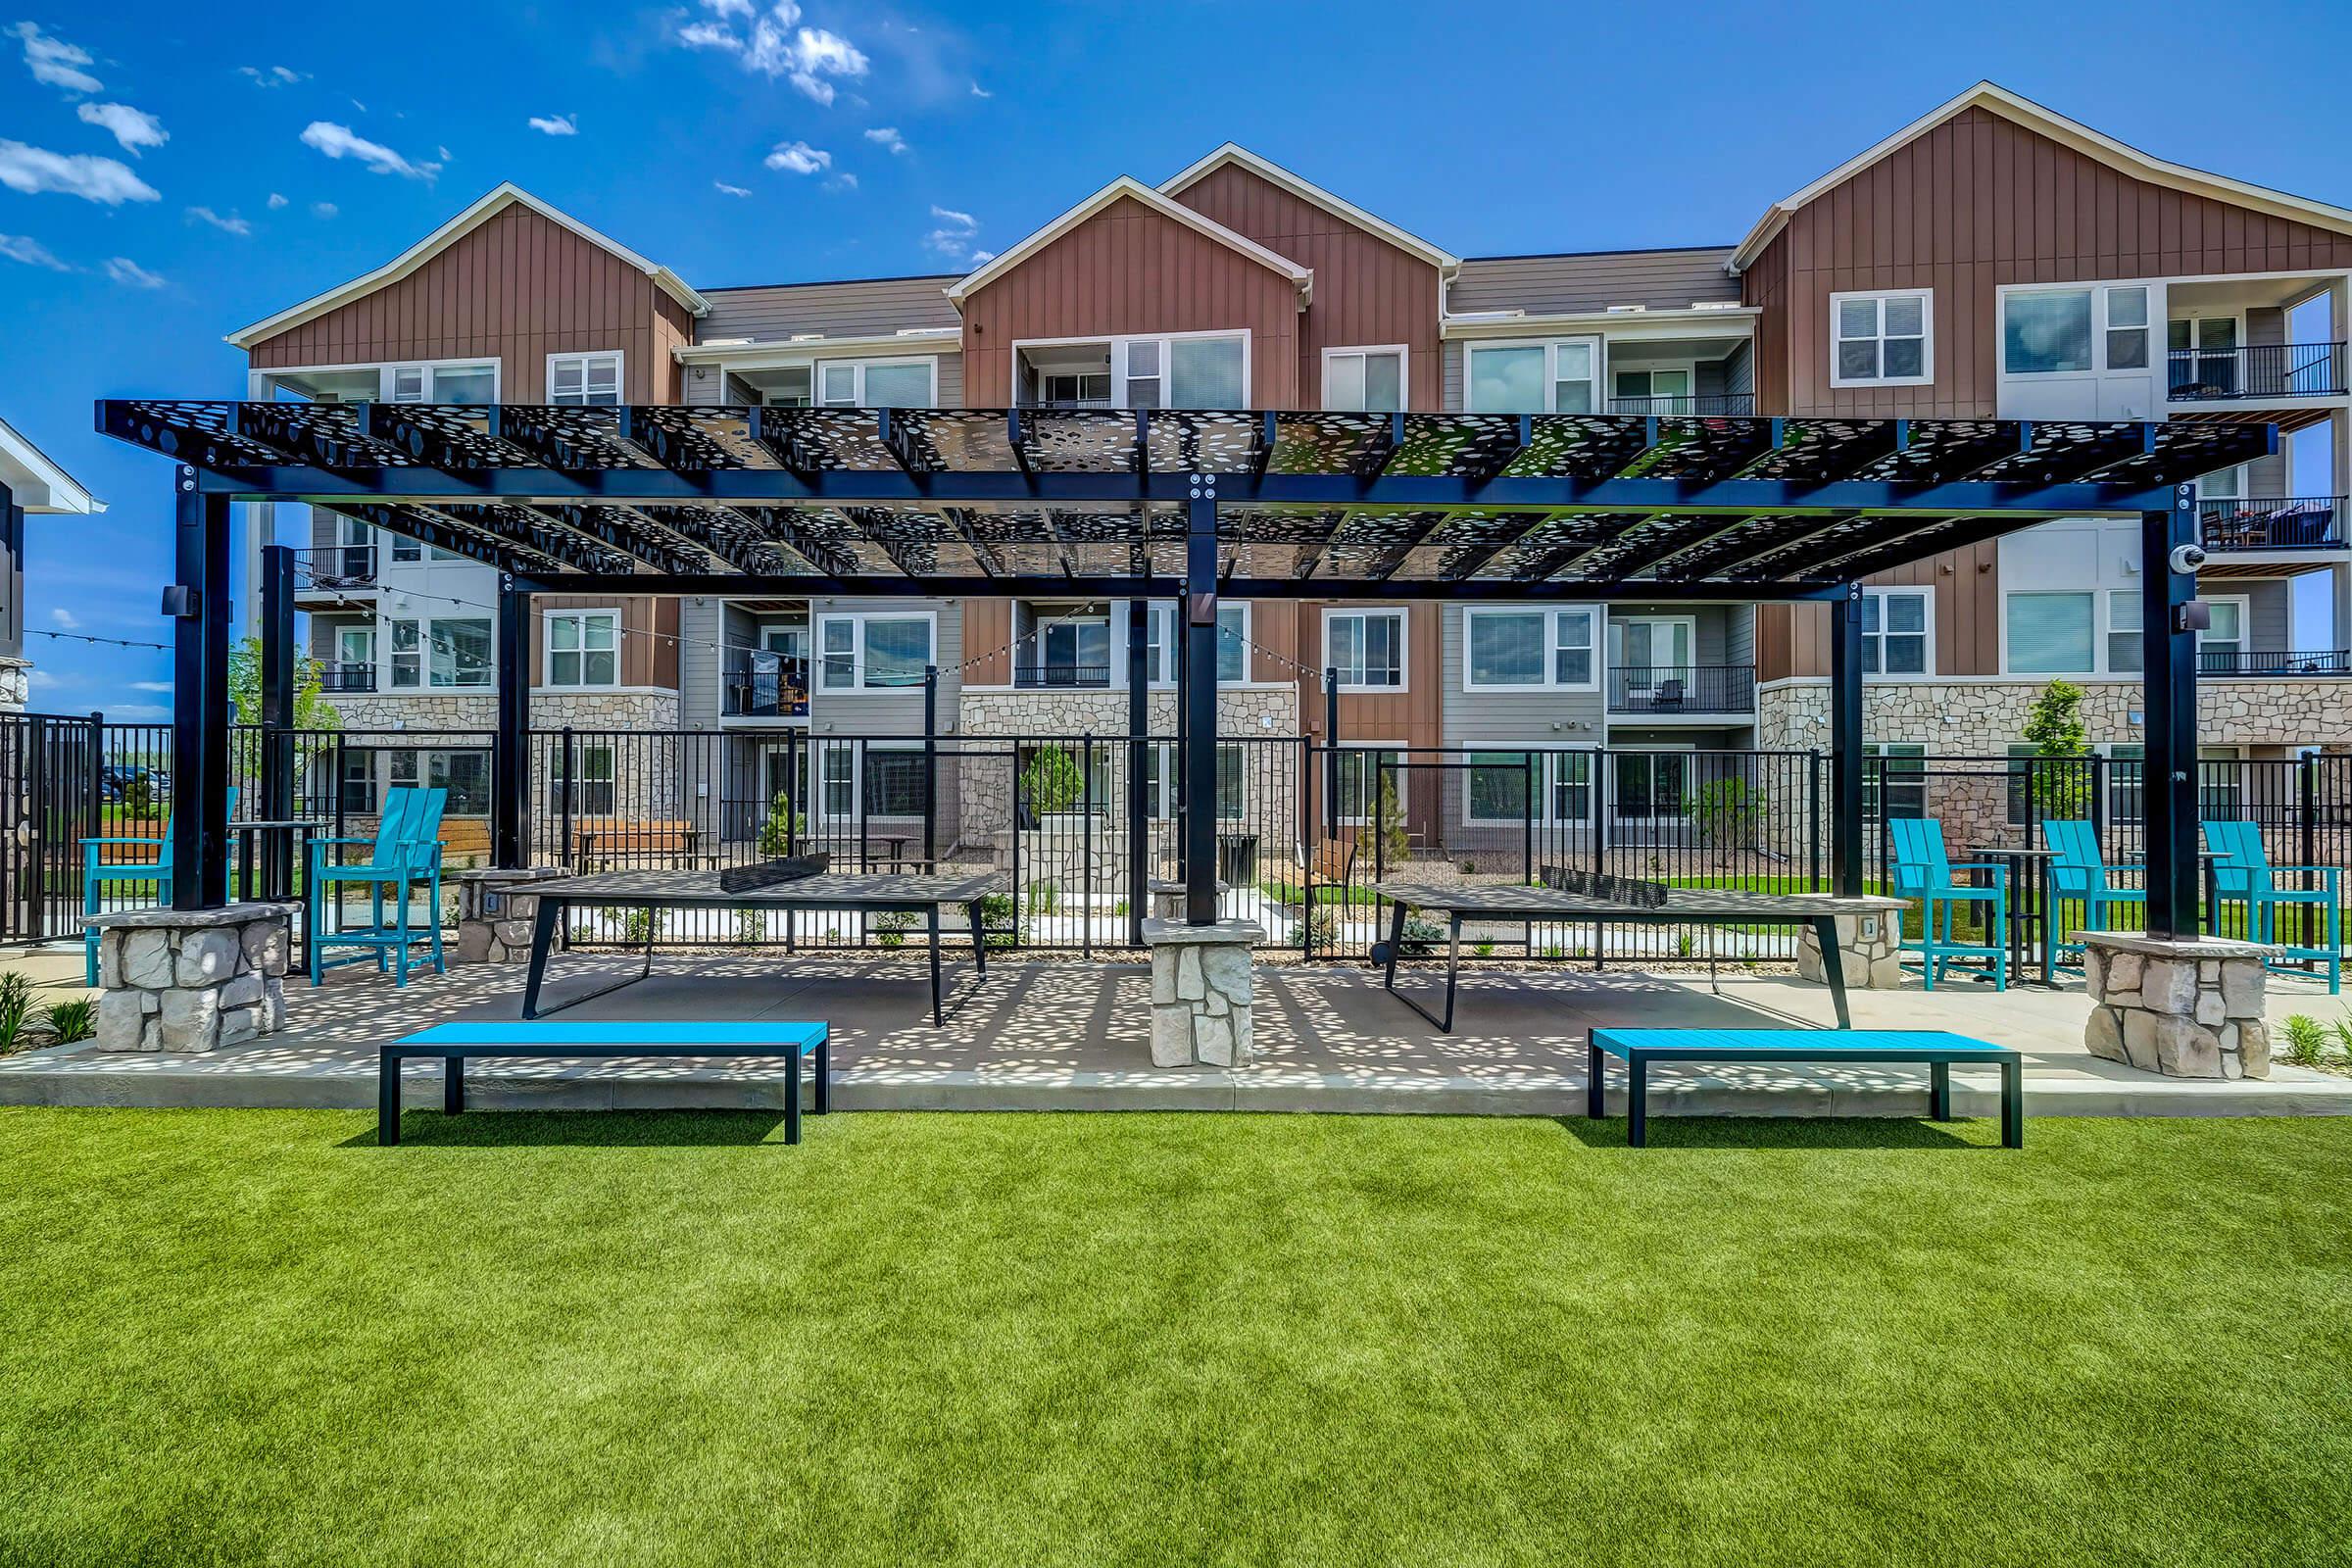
1063,1036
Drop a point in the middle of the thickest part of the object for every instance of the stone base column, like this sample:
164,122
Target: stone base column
495,913
1201,993
192,980
1168,896
2186,1008
1867,945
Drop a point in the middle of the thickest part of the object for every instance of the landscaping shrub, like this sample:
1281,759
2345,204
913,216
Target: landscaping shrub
2306,1040
16,1011
73,1020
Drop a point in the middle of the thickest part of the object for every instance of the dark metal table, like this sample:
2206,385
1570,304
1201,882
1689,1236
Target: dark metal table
278,847
1679,906
880,893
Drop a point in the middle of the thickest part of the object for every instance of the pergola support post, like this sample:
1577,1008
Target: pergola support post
278,706
2170,699
1139,725
931,772
510,767
200,699
1845,742
1200,703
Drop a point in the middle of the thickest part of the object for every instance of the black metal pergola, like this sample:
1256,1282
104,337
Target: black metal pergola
1186,506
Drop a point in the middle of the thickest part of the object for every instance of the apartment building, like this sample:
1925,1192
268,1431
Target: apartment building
30,486
1992,260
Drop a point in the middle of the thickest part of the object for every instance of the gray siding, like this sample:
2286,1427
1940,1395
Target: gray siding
1524,718
2267,600
865,307
702,383
1558,284
701,632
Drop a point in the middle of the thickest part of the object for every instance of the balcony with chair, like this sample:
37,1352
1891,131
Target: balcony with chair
2226,664
757,683
2257,371
1675,691
2272,522
335,566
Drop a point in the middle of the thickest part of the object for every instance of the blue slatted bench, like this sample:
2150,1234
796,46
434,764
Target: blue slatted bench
452,1042
1639,1048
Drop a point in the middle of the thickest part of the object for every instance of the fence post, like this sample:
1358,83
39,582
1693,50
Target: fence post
1813,817
1527,818
1596,784
1310,843
571,786
1086,830
792,798
98,774
930,769
2307,845
36,772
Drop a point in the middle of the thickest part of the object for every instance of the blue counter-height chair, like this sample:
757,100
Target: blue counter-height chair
2079,873
405,853
2242,873
99,872
1922,869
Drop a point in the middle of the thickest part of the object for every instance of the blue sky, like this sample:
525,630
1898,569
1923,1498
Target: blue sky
171,173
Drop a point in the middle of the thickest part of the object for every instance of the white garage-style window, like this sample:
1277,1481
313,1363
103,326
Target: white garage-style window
1883,339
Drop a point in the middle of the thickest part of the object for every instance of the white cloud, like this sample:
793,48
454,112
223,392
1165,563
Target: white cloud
137,712
953,235
133,129
32,252
557,124
979,91
772,44
63,620
977,257
340,141
886,136
799,158
276,201
130,274
725,189
30,170
948,216
844,181
729,8
271,76
151,686
53,62
324,209
231,224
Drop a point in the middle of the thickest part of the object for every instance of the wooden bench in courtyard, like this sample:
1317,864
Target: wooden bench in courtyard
603,842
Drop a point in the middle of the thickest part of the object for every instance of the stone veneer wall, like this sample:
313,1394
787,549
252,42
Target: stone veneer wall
2165,1008
191,981
16,681
1980,718
428,713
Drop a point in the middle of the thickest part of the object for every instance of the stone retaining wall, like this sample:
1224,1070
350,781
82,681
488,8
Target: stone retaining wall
2186,1010
192,981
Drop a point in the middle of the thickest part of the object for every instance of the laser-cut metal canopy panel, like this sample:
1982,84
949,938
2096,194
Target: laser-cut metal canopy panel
1315,505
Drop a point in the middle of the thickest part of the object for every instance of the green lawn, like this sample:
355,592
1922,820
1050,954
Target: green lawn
246,1335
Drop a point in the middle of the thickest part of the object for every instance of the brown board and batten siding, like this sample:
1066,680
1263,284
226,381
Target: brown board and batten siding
517,289
1128,269
1367,292
1794,638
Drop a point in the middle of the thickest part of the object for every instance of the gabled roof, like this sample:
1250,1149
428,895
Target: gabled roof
1133,190
37,484
1275,174
507,194
2071,133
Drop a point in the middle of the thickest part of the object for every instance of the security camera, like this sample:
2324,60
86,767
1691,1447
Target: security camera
2186,559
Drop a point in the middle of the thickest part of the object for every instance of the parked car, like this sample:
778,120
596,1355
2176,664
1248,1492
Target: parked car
115,781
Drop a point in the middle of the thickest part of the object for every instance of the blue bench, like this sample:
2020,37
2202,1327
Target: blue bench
1639,1048
453,1043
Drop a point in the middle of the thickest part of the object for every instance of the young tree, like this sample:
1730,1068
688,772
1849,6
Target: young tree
2061,774
1386,822
313,715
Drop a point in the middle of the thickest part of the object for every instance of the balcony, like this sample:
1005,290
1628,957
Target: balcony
2224,663
1725,405
754,683
2272,522
1061,677
1683,690
336,566
2269,370
346,677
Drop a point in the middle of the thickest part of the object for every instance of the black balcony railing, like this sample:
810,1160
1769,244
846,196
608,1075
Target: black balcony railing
346,677
2273,522
2269,370
335,566
1058,677
757,684
2228,661
1727,405
1683,689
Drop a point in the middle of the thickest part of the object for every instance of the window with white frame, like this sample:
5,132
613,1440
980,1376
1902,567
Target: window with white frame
452,381
2052,633
2074,330
408,655
355,646
1895,631
1897,787
1561,376
591,794
1366,647
2124,646
583,648
1363,773
466,774
877,651
2221,645
589,380
1199,370
1364,381
1881,340
901,383
1499,782
1159,644
1233,644
1530,648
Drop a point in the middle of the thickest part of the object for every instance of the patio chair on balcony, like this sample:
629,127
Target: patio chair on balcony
405,853
2080,874
2242,875
1922,869
99,872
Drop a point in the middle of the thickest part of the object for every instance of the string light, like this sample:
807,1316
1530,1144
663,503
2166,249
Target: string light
84,637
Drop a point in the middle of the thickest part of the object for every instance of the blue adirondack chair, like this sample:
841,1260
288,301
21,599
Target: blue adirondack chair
98,873
405,853
1922,869
2242,873
2080,874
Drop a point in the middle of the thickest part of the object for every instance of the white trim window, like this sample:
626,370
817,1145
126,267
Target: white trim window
1885,338
1897,631
2080,329
442,381
355,646
1367,647
1497,779
2126,654
1360,770
594,793
452,651
1181,370
2050,632
583,649
911,383
1368,380
875,650
1233,643
1529,648
584,380
2221,646
1560,375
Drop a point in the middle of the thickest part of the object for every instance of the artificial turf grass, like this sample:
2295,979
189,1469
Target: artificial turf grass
253,1335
